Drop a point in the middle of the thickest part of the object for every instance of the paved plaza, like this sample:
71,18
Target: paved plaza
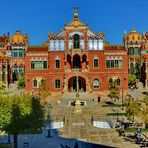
78,127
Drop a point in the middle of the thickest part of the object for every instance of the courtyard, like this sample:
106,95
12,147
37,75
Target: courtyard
89,127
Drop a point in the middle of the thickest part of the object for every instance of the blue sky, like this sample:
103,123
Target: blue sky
38,17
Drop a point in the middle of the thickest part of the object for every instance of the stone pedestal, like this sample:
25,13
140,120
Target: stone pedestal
77,108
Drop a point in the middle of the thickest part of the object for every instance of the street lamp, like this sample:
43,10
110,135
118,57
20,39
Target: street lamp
48,122
39,90
122,100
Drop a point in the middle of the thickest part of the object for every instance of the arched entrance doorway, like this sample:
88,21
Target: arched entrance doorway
74,81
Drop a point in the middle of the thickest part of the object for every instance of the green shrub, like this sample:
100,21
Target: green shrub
115,114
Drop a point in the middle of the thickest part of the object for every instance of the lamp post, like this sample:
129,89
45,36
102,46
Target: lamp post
39,90
48,122
77,84
122,100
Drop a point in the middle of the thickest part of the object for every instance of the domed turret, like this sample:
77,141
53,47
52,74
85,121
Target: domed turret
133,35
18,37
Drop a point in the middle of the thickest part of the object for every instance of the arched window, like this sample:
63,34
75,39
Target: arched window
40,63
76,62
57,83
95,44
15,69
136,51
70,43
90,46
43,83
131,51
35,83
36,66
76,41
45,64
131,43
96,63
82,43
57,62
96,83
21,69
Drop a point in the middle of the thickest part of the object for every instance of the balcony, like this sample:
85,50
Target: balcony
76,69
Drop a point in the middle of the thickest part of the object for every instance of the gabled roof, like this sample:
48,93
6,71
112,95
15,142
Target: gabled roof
61,33
76,23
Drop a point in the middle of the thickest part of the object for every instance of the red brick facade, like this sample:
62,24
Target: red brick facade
87,73
76,58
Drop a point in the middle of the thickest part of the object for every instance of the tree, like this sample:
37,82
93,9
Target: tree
21,81
137,69
20,114
144,111
131,80
132,108
2,86
114,91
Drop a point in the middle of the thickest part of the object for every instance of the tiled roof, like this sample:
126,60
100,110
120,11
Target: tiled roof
115,47
37,48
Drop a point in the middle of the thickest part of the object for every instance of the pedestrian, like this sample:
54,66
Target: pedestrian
99,98
76,145
122,131
62,146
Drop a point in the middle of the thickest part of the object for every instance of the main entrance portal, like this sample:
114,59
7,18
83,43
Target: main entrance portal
74,81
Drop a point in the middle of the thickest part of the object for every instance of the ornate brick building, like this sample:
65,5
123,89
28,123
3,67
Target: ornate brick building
76,58
5,70
137,47
14,47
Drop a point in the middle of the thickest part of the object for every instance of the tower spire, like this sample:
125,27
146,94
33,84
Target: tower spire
76,14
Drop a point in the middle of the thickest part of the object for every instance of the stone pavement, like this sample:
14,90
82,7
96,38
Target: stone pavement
77,128
137,93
